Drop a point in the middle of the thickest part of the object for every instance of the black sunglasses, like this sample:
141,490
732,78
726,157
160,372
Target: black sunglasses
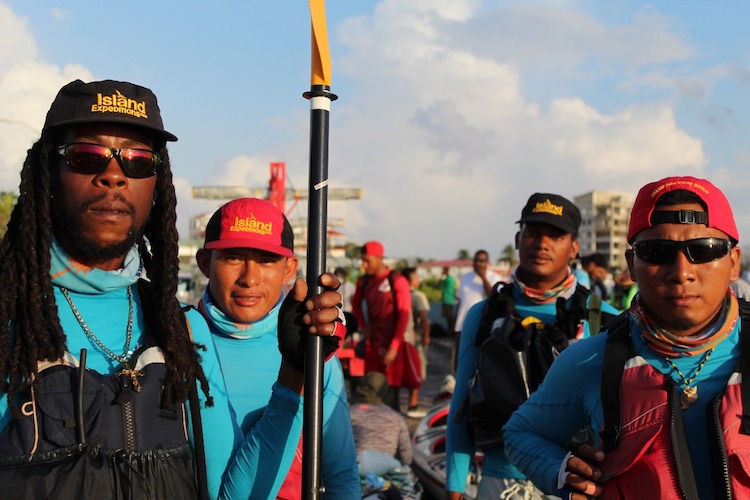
698,251
93,158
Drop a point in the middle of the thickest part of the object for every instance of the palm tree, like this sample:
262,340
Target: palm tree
508,254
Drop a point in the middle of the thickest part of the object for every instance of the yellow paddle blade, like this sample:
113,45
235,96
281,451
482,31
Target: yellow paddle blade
321,55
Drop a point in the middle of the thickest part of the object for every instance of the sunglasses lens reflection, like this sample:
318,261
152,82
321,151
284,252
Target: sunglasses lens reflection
698,251
93,158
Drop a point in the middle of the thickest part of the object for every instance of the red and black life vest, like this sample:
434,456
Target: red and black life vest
644,438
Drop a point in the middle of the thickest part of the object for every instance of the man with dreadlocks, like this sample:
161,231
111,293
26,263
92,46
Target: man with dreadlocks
98,363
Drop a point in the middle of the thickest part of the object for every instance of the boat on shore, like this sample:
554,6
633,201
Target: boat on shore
428,444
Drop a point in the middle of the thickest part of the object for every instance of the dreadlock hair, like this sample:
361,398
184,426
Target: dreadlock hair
30,329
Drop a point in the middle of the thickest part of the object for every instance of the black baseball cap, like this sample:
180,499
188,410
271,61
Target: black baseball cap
552,209
106,101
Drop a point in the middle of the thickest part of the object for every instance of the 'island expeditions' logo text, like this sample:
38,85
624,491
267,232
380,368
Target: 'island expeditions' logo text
251,225
548,208
118,103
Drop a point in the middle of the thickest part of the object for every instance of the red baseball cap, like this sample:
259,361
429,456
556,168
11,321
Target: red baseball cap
719,212
250,223
374,248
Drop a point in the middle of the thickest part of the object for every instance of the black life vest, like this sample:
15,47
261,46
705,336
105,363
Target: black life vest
89,435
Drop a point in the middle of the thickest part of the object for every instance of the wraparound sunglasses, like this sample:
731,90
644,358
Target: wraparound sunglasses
93,158
698,251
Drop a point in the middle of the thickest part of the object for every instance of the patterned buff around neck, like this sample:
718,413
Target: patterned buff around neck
74,276
565,289
669,344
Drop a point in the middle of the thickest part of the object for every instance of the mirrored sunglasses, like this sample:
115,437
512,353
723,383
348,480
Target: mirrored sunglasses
698,251
93,158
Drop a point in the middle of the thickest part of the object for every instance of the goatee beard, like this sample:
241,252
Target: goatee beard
69,230
96,252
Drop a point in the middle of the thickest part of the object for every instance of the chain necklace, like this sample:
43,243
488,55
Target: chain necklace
690,394
93,339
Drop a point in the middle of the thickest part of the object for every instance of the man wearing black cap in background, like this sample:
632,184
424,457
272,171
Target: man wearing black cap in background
544,303
96,364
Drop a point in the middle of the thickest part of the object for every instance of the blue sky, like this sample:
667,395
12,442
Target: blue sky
450,112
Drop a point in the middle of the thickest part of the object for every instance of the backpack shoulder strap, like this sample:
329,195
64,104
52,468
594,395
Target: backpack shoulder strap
617,350
197,424
500,304
572,312
392,275
593,313
745,363
591,303
144,288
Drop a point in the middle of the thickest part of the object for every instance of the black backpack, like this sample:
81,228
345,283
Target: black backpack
515,356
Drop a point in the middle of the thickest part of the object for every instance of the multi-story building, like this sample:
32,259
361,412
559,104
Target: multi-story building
604,225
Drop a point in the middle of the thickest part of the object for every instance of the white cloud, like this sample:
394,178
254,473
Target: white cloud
58,14
641,141
455,115
542,37
27,87
448,146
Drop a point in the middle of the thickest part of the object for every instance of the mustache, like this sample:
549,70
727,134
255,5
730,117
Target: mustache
117,197
544,255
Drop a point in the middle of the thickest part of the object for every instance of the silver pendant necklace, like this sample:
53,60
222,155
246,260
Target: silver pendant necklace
690,393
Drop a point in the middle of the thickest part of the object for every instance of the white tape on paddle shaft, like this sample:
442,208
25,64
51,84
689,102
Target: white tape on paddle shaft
320,102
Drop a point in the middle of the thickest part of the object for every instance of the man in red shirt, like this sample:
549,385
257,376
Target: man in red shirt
382,307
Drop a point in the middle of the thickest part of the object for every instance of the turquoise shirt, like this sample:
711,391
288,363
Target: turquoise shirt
571,394
250,367
221,433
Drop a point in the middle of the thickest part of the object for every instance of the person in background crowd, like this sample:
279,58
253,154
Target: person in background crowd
448,298
386,297
741,288
420,308
475,286
582,277
377,426
346,289
624,291
596,267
